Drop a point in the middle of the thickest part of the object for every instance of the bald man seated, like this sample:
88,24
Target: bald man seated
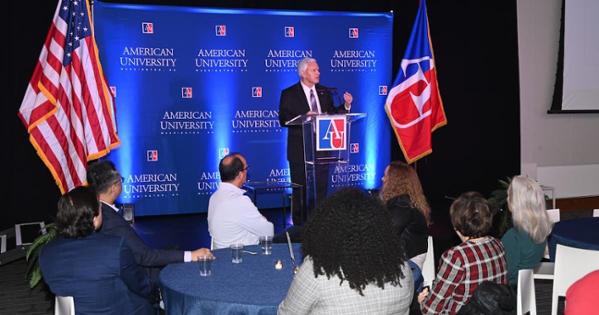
232,217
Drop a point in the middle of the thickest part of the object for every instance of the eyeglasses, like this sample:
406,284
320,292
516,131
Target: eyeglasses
246,168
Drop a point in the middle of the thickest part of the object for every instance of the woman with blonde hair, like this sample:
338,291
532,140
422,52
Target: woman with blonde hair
525,243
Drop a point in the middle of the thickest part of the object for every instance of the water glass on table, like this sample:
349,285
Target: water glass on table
266,244
205,264
236,250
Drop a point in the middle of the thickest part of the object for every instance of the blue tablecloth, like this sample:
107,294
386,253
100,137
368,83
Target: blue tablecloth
579,233
251,287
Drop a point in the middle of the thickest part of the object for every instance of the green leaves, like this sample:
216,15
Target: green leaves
34,273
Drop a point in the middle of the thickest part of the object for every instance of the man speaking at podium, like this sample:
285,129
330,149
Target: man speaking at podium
306,97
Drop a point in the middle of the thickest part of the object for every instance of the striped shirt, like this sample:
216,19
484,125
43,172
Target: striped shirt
462,268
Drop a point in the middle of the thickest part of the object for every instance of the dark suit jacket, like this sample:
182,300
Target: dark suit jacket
99,272
114,224
293,103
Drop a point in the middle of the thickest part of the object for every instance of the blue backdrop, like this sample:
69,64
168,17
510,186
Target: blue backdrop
192,84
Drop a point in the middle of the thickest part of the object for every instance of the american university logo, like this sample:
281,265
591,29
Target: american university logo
256,91
221,30
289,31
222,152
330,133
416,89
152,155
186,92
147,28
382,90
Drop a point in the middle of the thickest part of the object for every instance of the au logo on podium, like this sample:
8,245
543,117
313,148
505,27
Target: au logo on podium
330,133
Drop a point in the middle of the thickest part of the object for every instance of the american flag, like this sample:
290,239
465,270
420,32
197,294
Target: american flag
414,105
68,109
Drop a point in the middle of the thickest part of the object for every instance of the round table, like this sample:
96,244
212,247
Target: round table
579,233
251,287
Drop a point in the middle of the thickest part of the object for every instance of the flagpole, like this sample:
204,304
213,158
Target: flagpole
91,11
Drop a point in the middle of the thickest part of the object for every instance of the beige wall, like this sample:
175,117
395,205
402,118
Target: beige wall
550,143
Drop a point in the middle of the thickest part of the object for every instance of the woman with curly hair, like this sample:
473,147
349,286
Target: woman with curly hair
403,197
351,264
525,242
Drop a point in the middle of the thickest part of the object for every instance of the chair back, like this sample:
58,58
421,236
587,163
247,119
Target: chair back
526,298
571,264
428,268
64,305
553,215
544,270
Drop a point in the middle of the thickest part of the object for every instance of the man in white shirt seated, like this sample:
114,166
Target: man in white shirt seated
232,217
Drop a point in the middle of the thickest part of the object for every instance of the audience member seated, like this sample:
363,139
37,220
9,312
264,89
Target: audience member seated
104,178
525,242
404,198
462,268
351,264
232,217
96,269
581,296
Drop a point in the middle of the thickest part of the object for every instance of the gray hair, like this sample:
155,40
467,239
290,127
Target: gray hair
302,65
527,204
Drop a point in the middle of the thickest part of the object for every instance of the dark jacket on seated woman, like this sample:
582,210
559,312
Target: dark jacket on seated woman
97,270
409,224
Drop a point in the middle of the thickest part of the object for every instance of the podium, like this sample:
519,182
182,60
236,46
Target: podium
326,144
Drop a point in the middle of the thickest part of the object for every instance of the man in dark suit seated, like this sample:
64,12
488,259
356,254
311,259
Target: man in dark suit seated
96,269
306,97
103,176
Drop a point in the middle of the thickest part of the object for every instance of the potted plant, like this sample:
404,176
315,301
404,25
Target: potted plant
502,218
34,273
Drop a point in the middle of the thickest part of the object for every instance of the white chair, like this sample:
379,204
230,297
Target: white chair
428,268
571,264
553,215
544,271
595,213
64,305
526,293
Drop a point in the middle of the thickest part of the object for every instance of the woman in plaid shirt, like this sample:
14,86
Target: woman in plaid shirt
462,268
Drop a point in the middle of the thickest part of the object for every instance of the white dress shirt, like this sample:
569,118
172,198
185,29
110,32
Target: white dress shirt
233,218
307,93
